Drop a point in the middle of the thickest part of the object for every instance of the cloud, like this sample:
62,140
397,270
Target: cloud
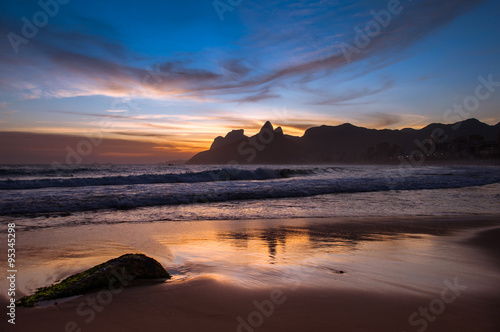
298,126
108,116
261,95
138,134
303,38
382,120
354,94
5,110
416,21
235,68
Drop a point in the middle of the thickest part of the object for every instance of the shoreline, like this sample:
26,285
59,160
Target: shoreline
376,293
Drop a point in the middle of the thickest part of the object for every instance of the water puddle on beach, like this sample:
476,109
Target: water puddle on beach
382,255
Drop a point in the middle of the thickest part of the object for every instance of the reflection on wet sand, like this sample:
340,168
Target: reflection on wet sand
341,236
373,253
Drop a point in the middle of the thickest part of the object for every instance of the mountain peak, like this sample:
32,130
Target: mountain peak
347,125
230,137
347,143
267,125
472,120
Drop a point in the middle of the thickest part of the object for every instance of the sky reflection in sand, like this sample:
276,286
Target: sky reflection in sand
384,255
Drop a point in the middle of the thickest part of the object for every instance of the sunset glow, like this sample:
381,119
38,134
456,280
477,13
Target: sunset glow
171,76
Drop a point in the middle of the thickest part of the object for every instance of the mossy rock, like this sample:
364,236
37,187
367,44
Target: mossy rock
113,273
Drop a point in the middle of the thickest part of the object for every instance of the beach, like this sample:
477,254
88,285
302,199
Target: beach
345,274
250,166
258,247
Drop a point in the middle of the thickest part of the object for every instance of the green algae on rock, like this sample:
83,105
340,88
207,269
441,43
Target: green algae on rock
111,274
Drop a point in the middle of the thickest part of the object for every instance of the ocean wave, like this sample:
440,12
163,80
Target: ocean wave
42,171
58,200
223,174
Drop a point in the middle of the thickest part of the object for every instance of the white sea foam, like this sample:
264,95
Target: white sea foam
105,188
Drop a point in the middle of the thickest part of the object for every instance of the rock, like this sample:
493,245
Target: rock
218,142
122,269
230,137
347,143
267,126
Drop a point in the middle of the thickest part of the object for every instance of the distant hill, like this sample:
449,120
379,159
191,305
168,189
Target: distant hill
346,143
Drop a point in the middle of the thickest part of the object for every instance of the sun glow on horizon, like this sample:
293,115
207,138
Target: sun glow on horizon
175,96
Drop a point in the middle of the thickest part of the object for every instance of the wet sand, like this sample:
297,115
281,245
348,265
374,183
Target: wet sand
489,241
209,305
397,277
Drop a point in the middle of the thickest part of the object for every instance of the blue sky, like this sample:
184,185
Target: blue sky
172,73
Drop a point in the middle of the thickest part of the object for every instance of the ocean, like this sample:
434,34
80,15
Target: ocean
44,196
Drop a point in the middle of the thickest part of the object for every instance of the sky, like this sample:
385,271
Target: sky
151,81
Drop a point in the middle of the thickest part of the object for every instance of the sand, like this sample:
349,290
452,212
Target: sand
489,241
379,291
209,305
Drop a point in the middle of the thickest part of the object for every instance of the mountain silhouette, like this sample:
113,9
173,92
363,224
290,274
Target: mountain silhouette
346,143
